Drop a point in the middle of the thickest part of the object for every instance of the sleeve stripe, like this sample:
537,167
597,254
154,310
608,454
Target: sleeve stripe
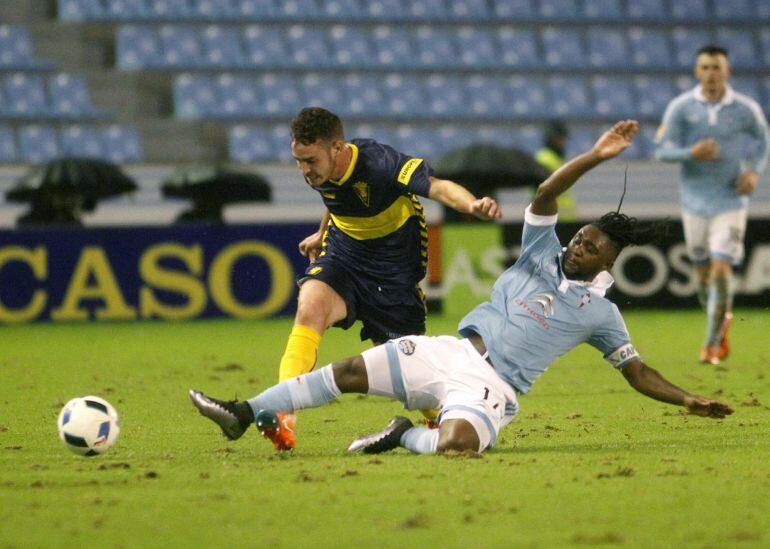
539,220
408,169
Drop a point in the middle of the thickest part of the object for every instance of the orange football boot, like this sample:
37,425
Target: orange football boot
279,428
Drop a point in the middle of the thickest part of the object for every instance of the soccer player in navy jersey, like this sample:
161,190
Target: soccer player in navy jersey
550,301
370,252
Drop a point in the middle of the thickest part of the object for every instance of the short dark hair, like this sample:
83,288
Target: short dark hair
624,230
712,49
314,123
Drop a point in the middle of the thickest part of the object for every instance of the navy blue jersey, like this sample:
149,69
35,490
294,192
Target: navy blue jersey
377,223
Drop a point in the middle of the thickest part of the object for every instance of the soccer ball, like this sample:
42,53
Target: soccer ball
88,425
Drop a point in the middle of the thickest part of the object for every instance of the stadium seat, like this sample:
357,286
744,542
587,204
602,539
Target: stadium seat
653,94
434,47
528,137
194,97
121,144
264,47
426,10
16,51
747,85
351,47
123,10
613,97
451,136
280,95
690,11
7,145
181,47
281,136
558,9
562,48
237,96
684,83
468,10
384,10
253,10
742,47
79,10
212,10
418,141
378,132
324,90
650,49
405,95
736,10
763,11
138,48
81,141
25,96
568,97
169,10
365,95
340,10
526,97
393,47
607,48
517,47
647,10
487,97
494,135
308,47
37,143
603,10
581,138
250,144
515,10
765,85
296,10
69,97
476,47
221,47
445,95
687,42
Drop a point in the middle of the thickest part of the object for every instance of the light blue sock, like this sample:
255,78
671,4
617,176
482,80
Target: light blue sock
420,440
305,391
718,304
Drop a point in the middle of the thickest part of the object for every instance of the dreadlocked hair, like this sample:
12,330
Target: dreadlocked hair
624,230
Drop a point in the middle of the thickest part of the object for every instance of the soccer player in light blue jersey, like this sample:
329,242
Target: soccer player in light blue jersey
706,129
550,301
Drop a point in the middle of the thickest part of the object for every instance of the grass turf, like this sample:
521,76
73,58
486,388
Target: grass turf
587,462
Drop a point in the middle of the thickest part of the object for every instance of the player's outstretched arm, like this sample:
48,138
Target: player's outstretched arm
457,197
613,142
651,383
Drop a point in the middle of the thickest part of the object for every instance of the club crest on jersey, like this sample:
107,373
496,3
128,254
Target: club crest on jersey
585,299
362,190
407,346
546,301
315,270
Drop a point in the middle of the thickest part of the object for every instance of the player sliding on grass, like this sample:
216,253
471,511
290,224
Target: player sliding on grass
550,301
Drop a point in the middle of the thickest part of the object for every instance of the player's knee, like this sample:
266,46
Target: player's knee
457,435
350,375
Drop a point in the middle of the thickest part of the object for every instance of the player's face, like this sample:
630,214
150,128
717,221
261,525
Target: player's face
588,253
316,161
712,70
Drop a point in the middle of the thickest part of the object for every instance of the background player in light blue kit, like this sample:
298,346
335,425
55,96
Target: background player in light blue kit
547,303
706,130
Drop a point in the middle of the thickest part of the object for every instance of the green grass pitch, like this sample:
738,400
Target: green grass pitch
588,461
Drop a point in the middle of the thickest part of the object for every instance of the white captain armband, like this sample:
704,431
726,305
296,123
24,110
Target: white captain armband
622,356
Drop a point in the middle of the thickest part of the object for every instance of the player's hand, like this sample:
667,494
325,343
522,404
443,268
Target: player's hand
617,139
311,246
706,407
746,182
705,149
486,209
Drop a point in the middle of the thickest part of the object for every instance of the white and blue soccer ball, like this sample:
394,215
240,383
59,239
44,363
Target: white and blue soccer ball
88,425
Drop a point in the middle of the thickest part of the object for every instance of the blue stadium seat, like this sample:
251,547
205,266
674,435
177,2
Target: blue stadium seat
613,97
138,48
528,137
569,97
79,10
471,10
378,132
518,48
646,140
7,145
763,11
81,141
121,144
562,48
607,48
296,10
253,10
445,95
487,96
417,141
687,42
477,48
324,90
194,97
365,95
341,10
581,138
37,143
684,83
650,49
237,96
351,47
741,46
690,10
69,97
736,10
181,47
653,93
123,10
764,46
169,10
494,135
405,95
526,97
221,47
765,101
384,10
16,51
265,47
451,136
747,85
250,144
25,94
603,10
434,47
393,47
647,10
308,47
280,95
426,10
515,10
558,9
212,10
281,136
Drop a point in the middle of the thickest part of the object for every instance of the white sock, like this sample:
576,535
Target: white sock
420,440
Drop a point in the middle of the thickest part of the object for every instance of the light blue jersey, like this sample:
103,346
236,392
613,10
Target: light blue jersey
536,314
708,187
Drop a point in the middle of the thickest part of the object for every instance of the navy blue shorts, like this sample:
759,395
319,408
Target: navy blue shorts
387,312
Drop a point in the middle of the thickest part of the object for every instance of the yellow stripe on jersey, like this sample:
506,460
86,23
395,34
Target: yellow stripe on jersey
408,169
377,226
351,166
